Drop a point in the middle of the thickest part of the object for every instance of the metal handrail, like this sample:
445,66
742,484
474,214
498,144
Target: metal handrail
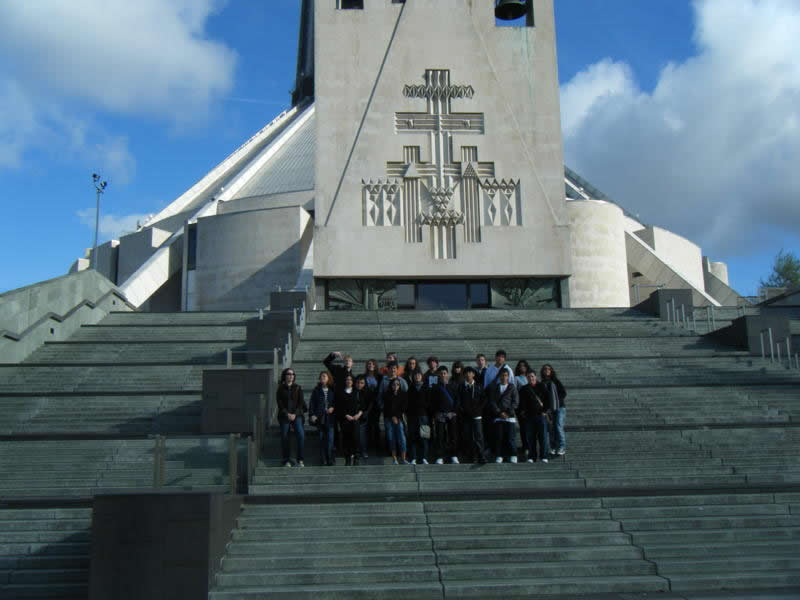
771,346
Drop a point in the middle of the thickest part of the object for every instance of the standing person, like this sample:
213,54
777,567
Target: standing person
520,380
457,376
444,401
532,416
383,390
391,357
291,413
394,409
480,367
472,401
493,370
348,412
431,375
418,409
503,403
373,379
408,372
556,404
323,401
338,372
365,399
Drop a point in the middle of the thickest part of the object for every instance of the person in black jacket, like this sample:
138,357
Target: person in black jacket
503,404
472,401
339,372
348,412
291,413
365,399
418,408
395,403
444,402
533,417
556,404
323,402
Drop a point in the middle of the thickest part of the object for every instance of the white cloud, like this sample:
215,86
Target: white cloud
713,151
111,226
64,60
148,56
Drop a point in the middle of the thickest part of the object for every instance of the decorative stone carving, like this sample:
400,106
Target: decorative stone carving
418,194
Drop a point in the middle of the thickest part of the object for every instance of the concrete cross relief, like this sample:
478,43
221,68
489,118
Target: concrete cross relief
419,194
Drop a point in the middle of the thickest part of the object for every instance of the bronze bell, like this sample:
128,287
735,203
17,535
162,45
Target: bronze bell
508,10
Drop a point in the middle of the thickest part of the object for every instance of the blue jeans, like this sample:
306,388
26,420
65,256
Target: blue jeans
538,432
326,442
395,436
299,434
559,437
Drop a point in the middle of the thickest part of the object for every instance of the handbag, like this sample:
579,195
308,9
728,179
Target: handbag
425,432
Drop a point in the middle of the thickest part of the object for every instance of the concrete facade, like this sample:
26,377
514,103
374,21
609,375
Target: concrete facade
599,258
449,114
242,257
426,151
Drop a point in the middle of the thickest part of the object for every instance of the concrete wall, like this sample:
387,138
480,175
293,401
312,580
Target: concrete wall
52,310
243,256
364,59
136,248
599,259
678,252
158,546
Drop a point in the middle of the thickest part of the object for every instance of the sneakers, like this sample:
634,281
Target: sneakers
544,460
405,462
530,460
439,461
300,464
413,461
561,452
454,460
288,463
425,461
394,461
499,459
513,459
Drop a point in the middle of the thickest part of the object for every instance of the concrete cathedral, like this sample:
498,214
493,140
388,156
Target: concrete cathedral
420,166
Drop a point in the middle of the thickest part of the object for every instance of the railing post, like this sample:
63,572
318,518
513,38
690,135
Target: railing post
713,318
683,315
228,358
778,347
275,366
694,321
761,337
260,314
789,350
233,461
771,345
156,461
674,312
797,360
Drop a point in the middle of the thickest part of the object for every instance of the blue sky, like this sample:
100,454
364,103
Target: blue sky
686,113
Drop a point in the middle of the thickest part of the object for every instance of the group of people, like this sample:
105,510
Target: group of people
465,413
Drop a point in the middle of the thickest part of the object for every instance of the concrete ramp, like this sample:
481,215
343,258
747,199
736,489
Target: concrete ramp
644,259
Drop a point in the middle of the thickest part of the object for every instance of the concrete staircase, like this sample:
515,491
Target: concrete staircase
45,552
681,475
75,419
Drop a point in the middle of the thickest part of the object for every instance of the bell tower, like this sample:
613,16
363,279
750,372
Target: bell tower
439,151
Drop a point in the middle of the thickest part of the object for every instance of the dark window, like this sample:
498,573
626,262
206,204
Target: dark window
406,295
479,295
442,296
191,248
357,4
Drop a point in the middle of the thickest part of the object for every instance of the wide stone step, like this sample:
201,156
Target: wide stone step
689,537
670,567
322,575
741,580
532,587
727,548
415,591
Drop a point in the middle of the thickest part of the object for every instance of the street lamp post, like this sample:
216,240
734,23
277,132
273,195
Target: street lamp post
99,188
